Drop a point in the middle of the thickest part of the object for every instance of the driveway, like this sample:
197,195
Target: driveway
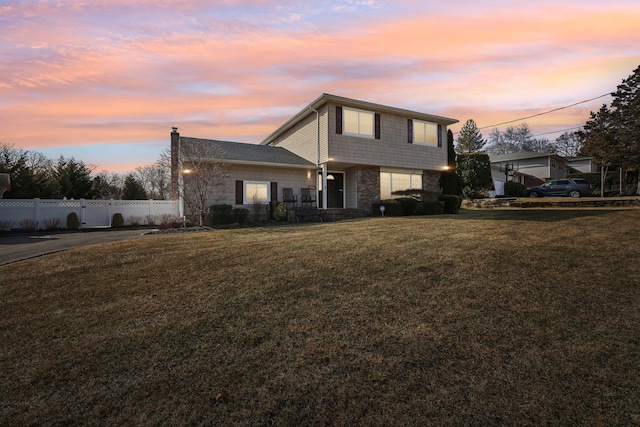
29,245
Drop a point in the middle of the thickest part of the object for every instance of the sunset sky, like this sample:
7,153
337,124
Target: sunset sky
105,80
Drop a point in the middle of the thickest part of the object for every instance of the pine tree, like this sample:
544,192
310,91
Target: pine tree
470,139
612,135
600,141
626,118
132,189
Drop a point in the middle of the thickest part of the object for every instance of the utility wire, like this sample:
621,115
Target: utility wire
556,131
546,112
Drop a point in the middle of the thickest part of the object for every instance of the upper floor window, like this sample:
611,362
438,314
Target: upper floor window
425,133
358,122
354,122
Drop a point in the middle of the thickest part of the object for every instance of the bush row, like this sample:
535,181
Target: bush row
222,214
405,206
73,223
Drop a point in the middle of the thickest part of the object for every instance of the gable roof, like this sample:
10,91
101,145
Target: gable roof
238,152
325,98
521,156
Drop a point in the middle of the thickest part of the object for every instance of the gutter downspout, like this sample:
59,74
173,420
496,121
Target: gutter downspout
324,170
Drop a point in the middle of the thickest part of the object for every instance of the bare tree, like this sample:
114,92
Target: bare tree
108,185
515,139
203,171
156,179
568,145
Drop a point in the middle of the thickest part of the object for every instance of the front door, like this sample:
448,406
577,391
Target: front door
335,190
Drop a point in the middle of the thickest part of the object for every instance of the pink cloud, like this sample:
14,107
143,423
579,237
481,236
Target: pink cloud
84,81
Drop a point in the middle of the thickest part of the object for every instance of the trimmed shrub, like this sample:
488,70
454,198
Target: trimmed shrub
240,215
73,223
451,183
431,208
277,211
5,224
392,207
408,205
221,214
117,221
452,203
512,188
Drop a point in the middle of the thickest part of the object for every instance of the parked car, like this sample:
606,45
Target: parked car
572,187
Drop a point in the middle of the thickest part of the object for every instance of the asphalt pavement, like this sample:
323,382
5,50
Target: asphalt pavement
21,246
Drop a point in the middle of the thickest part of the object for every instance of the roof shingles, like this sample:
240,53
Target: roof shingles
249,153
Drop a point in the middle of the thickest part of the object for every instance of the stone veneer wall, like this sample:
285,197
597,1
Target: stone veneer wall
431,182
368,186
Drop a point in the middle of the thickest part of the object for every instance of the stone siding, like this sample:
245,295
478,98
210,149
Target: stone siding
368,186
431,182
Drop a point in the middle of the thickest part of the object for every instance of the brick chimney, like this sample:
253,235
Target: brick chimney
175,163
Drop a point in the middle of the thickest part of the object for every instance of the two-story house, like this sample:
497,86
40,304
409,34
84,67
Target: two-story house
529,168
346,153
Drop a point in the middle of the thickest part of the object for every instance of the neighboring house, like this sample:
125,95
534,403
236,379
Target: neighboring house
530,169
582,164
501,173
347,153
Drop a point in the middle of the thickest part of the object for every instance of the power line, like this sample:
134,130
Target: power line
546,112
556,131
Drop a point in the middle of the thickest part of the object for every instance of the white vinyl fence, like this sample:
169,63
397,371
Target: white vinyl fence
91,213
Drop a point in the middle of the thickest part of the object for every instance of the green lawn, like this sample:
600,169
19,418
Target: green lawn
480,318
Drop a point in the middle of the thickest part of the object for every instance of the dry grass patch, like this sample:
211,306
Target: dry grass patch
500,317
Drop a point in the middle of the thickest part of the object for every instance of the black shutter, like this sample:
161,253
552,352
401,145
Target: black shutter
410,130
239,193
274,191
377,125
440,136
339,120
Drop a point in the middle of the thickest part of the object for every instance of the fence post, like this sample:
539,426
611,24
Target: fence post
83,220
36,210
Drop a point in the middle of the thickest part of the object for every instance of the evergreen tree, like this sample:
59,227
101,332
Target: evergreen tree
451,151
30,173
133,189
475,172
73,179
470,139
450,182
600,141
626,117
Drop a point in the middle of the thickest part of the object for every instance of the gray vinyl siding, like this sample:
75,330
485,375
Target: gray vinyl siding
302,138
285,177
391,150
